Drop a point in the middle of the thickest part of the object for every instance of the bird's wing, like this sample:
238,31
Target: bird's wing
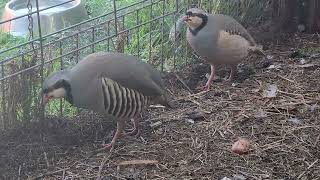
126,70
233,27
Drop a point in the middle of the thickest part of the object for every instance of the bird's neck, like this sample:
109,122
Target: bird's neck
68,96
67,86
196,30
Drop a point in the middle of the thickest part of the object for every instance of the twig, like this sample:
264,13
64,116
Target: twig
184,84
105,159
48,174
311,165
46,159
19,172
91,153
285,78
63,174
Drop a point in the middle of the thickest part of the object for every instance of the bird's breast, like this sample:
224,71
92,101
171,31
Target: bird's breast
219,47
202,44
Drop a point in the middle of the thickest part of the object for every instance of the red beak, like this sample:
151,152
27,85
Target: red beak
186,18
45,99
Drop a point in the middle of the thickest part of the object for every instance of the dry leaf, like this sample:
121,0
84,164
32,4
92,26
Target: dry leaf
261,114
269,57
313,107
294,120
191,121
137,162
241,146
226,178
306,65
302,61
271,91
238,177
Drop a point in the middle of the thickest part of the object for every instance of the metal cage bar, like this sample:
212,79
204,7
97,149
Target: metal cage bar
70,44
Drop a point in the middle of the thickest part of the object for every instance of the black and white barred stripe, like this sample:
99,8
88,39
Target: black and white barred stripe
120,101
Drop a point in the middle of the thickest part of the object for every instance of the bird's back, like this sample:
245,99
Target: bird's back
126,70
112,83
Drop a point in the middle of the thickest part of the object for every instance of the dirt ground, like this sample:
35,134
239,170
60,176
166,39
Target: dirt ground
272,103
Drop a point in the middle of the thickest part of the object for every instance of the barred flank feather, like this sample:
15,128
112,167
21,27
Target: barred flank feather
120,101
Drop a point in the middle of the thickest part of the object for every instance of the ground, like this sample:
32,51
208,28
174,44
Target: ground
272,103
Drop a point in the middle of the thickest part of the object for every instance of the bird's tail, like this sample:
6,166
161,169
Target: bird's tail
257,49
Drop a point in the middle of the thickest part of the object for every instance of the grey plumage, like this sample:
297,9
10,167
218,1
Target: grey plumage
109,83
206,43
121,101
218,39
86,78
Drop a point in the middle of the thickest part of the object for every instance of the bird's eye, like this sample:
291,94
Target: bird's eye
45,91
189,13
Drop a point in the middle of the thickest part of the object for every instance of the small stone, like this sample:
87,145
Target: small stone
234,84
312,108
226,178
303,61
238,177
295,121
261,114
269,57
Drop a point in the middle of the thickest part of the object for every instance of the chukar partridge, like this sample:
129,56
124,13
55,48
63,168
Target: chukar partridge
218,39
108,83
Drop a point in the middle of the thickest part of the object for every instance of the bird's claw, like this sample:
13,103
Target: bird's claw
132,132
204,88
109,146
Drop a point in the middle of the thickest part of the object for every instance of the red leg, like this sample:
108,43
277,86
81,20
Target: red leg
232,72
135,130
120,126
209,82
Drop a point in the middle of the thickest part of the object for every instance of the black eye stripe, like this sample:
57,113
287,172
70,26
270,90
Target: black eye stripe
57,85
194,14
45,91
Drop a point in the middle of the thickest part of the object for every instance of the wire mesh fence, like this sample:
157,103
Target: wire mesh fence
140,28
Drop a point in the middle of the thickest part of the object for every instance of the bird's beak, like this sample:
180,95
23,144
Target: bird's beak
45,99
186,18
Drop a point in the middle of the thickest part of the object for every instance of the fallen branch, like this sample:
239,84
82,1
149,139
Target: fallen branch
184,84
47,174
105,159
137,162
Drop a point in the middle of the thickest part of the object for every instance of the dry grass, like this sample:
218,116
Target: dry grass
194,140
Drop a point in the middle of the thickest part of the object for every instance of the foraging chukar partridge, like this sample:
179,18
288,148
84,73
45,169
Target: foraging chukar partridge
218,39
108,83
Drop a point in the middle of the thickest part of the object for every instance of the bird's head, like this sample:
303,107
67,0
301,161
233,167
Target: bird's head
55,86
194,17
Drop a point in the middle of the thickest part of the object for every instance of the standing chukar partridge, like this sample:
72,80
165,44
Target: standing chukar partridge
218,39
108,83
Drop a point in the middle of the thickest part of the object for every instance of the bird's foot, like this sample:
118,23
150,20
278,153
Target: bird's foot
230,79
132,132
204,88
109,146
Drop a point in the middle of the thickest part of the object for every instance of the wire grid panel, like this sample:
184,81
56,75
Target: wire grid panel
140,29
